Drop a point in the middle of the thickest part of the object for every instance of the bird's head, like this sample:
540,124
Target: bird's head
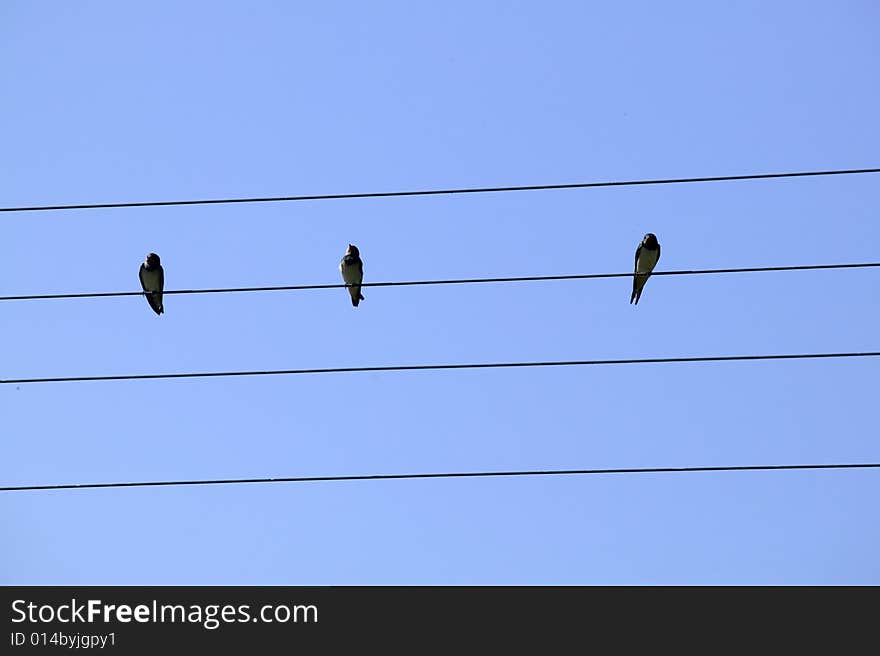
152,261
352,250
650,240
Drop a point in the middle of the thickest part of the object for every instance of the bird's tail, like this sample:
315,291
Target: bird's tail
356,296
638,285
155,301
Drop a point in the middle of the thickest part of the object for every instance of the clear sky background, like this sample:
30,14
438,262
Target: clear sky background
109,101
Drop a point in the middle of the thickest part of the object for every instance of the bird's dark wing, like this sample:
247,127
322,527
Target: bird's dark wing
360,270
154,298
636,281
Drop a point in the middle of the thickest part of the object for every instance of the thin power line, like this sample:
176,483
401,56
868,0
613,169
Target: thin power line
436,192
454,281
479,474
438,367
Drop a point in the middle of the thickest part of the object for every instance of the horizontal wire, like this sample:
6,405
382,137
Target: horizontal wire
479,474
454,281
439,367
436,192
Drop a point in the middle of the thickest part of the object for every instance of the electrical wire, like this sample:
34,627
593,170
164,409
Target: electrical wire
455,281
436,192
439,367
479,474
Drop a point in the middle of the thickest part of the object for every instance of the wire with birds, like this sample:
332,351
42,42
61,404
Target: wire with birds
448,281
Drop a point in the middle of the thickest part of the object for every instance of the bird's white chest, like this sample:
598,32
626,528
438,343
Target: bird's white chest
350,274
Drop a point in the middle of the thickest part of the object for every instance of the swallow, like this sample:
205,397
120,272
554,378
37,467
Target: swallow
352,269
153,282
647,255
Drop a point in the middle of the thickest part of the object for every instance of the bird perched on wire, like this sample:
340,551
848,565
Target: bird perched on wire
153,282
647,255
352,269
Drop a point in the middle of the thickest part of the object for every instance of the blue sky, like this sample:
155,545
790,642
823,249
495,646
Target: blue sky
108,101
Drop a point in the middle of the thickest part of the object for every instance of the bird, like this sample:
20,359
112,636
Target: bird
352,269
647,255
152,277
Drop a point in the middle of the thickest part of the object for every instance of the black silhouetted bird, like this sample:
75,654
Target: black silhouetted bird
153,282
647,255
352,269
